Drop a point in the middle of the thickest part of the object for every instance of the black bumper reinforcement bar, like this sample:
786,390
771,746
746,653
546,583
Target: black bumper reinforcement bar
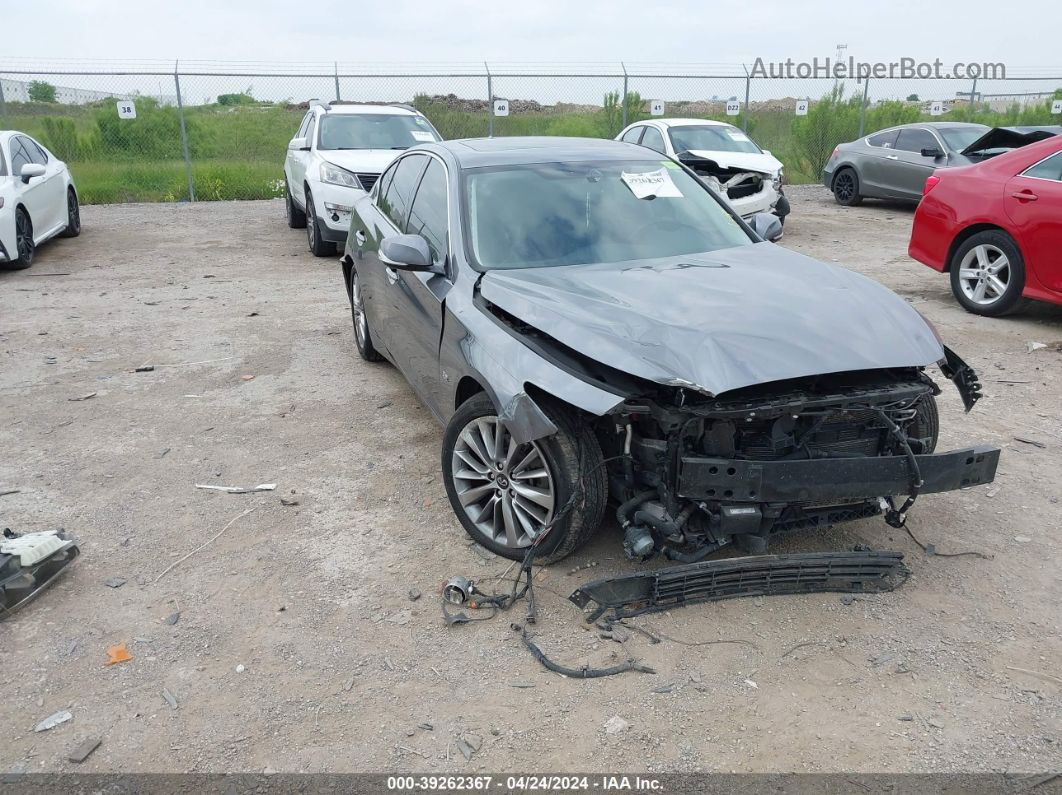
761,575
824,479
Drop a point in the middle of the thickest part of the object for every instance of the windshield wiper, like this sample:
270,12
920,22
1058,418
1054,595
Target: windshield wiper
400,147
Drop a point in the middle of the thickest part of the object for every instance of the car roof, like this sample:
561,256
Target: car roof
518,150
935,125
699,122
364,108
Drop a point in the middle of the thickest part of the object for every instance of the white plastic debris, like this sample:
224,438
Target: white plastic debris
1034,346
32,548
53,720
238,489
615,725
752,684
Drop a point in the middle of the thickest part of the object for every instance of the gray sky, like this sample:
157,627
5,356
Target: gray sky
405,31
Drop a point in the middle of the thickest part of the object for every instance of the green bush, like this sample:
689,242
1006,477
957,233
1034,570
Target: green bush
41,91
60,135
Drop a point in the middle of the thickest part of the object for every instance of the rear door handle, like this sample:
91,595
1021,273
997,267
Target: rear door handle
1025,195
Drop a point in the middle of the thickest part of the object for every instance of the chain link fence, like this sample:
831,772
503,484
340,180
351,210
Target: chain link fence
212,131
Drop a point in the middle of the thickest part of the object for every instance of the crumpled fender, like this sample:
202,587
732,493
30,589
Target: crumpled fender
495,369
962,375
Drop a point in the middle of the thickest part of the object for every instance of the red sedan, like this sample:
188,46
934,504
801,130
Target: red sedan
996,228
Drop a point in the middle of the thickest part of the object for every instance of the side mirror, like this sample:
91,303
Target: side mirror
31,170
299,144
932,152
406,252
767,226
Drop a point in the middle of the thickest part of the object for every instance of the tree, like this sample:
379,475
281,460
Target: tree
41,91
913,98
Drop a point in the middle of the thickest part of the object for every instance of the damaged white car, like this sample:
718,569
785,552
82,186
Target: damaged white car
750,178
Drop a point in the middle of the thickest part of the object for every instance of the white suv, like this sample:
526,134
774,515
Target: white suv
336,156
733,164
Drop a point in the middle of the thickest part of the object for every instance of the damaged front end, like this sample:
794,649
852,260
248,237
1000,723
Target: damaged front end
701,473
735,183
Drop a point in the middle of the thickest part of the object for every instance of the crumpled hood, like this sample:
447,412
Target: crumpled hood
721,320
360,161
746,161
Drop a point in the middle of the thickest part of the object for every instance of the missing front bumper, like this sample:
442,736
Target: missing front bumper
762,575
825,479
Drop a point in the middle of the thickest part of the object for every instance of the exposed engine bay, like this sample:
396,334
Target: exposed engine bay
695,474
734,183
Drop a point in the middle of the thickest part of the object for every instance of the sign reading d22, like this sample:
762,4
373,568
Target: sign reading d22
501,107
126,109
733,107
656,107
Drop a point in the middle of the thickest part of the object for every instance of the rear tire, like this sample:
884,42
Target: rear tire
296,217
499,515
73,215
318,246
988,274
846,188
24,247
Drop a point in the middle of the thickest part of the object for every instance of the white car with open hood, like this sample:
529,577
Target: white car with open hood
750,178
336,156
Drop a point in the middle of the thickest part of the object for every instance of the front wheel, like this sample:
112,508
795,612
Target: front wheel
507,494
24,247
73,215
318,246
988,274
362,337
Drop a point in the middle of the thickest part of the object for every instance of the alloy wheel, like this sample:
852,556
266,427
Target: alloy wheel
311,222
73,213
844,186
984,274
360,325
505,488
23,237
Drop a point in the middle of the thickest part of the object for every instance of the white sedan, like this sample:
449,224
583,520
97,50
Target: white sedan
38,199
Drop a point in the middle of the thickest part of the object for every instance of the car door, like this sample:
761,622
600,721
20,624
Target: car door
1033,201
290,156
908,172
52,185
300,161
873,157
32,195
416,297
385,216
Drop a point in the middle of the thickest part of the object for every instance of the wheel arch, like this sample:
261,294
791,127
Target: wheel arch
847,164
467,388
970,231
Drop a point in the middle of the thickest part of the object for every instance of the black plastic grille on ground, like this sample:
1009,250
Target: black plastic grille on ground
762,575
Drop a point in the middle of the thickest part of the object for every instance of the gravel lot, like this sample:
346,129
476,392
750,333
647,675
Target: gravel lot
297,646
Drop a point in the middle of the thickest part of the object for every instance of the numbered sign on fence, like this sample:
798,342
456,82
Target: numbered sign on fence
1056,106
501,107
802,107
936,109
126,109
733,107
656,107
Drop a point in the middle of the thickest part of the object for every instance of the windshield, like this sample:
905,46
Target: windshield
714,138
547,214
958,138
373,131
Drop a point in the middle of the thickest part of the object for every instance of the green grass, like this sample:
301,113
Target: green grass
238,150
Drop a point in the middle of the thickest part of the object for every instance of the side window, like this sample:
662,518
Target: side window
35,151
653,139
302,127
397,194
886,139
1047,169
915,140
308,135
633,134
428,216
19,156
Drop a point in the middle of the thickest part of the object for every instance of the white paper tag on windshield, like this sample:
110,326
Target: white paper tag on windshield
737,135
651,183
420,135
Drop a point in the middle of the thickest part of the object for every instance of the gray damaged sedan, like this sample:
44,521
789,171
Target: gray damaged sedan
593,325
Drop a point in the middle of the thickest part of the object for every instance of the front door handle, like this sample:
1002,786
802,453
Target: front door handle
392,275
1025,195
